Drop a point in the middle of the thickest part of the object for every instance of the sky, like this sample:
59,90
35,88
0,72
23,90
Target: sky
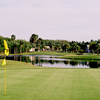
72,20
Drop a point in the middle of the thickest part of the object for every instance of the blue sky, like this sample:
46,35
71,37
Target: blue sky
72,20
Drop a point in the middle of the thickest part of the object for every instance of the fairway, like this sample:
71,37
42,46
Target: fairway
49,83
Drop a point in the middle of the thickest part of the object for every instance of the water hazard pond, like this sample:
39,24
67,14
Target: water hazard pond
51,61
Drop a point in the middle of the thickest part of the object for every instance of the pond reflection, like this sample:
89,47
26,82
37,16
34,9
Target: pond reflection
50,61
73,63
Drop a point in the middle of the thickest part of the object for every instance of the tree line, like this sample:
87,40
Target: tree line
20,46
15,46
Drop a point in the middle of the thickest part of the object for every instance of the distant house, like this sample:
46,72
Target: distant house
47,47
87,49
32,49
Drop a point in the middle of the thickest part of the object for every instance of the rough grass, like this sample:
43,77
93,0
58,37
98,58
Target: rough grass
28,82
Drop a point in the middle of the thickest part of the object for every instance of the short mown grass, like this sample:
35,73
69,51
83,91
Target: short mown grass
82,57
28,82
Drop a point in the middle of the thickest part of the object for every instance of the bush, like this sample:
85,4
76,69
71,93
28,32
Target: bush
1,49
81,51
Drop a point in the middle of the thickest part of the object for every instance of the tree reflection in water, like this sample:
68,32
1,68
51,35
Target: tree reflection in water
73,63
94,64
66,62
51,62
36,60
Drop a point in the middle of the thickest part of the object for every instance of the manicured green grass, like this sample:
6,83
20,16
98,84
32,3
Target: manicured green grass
82,57
43,53
47,53
28,82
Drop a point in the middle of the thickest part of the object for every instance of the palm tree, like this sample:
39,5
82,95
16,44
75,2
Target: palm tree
27,46
75,47
1,41
13,46
67,45
98,46
93,46
57,46
21,43
39,41
33,38
38,46
13,37
51,45
43,45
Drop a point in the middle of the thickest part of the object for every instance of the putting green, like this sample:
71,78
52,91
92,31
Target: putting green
32,83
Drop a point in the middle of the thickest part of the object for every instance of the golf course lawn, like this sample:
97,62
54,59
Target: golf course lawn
28,82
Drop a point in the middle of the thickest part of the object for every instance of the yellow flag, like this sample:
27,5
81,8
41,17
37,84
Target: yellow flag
4,62
6,48
5,45
7,52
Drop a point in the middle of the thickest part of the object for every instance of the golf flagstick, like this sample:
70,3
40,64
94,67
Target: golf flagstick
4,61
4,64
5,79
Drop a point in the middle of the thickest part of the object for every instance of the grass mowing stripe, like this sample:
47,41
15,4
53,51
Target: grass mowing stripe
83,87
49,83
56,87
